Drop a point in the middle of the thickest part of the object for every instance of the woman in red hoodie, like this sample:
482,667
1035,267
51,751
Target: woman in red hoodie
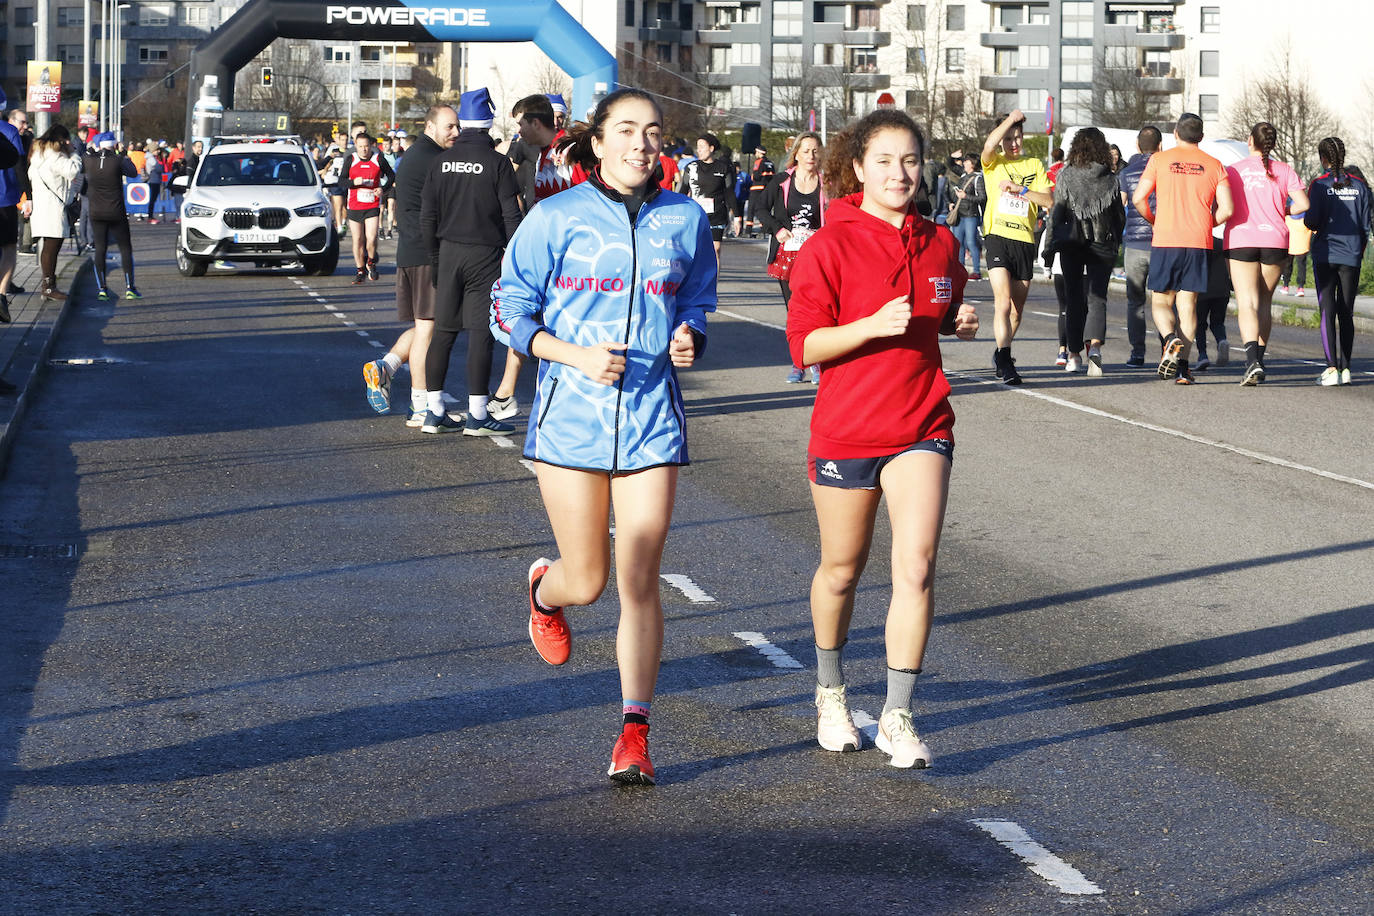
871,292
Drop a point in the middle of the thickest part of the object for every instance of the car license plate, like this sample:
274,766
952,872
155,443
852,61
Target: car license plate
249,238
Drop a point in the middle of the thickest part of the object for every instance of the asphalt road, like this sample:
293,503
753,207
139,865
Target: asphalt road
264,651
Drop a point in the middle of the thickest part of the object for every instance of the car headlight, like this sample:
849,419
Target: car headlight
318,211
197,211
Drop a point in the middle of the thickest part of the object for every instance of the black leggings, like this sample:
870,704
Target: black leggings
101,230
462,303
1336,285
48,250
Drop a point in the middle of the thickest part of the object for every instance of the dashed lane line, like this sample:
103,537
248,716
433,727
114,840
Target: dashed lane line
689,588
777,656
866,724
1063,876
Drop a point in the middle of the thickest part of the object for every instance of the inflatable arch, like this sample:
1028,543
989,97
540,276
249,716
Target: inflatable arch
544,22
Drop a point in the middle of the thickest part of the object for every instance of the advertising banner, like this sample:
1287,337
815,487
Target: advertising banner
87,113
45,85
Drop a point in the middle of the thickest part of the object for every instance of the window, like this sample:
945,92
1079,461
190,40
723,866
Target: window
863,101
787,18
1121,57
1211,19
1076,64
787,61
720,60
195,15
863,60
1032,100
684,16
630,12
744,96
68,16
1039,15
1208,106
152,54
665,53
1209,63
69,54
372,54
427,58
154,15
865,17
954,60
916,17
744,55
23,17
1009,17
824,55
915,60
954,100
1076,107
337,54
1004,62
1034,57
720,98
1076,19
828,12
23,54
370,90
1157,63
954,17
748,12
914,100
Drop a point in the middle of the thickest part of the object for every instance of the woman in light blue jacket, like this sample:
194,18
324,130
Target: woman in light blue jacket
608,283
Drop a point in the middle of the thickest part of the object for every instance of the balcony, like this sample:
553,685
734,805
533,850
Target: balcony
381,70
667,31
827,33
1003,82
857,79
866,38
1024,34
723,80
1131,37
717,37
1168,84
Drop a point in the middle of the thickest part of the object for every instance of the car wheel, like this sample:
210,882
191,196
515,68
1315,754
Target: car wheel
324,265
188,266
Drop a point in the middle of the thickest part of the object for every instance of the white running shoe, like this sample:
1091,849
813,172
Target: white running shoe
1345,376
1095,362
1330,377
835,729
1072,364
897,738
502,408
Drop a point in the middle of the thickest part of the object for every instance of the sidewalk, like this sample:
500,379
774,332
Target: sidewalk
26,342
1303,308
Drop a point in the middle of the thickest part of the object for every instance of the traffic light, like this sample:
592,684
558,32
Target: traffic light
267,76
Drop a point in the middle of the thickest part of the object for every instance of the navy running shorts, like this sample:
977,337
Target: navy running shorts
1270,256
865,473
1012,255
1179,270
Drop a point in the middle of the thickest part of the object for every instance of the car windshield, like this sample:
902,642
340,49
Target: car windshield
255,168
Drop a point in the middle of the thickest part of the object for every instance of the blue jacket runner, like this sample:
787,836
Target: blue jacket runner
579,270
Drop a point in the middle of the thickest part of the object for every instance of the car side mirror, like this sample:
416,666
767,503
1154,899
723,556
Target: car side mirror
181,182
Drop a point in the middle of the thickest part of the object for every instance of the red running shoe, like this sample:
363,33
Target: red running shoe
549,632
630,764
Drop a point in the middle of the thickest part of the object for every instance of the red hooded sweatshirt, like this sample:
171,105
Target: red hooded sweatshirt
890,393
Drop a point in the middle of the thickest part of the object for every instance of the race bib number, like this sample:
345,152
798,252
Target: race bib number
1015,205
795,242
367,196
707,203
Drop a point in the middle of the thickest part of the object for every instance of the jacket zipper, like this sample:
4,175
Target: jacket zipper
629,318
548,402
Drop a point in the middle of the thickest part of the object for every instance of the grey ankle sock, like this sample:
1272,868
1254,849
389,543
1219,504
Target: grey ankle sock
828,670
901,682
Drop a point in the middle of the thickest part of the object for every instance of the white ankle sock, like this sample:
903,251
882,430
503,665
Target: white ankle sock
434,402
477,406
419,401
393,362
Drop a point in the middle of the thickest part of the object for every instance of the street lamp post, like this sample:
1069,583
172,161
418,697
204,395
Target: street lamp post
118,113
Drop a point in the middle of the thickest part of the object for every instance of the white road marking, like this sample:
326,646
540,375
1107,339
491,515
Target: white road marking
361,333
769,651
686,586
350,324
866,724
1176,433
766,324
1065,878
529,465
503,441
378,344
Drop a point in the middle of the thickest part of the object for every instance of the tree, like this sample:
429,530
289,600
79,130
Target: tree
950,106
1282,95
1120,98
680,95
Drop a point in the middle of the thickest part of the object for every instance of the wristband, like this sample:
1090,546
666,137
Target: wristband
1023,192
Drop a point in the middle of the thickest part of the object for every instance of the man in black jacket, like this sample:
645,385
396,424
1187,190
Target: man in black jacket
468,212
414,275
105,169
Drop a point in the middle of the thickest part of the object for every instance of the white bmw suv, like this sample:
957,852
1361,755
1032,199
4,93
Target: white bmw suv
258,200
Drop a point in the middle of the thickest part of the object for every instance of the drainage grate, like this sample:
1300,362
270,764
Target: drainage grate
37,551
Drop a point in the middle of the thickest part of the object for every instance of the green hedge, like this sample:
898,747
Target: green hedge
1367,274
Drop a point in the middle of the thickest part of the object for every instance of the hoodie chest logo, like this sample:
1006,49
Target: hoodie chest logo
944,290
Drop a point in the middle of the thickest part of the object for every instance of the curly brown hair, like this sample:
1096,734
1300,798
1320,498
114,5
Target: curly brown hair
849,146
1089,146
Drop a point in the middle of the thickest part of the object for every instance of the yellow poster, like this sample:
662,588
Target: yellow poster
45,85
87,113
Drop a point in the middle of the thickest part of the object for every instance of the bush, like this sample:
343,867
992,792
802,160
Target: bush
1367,274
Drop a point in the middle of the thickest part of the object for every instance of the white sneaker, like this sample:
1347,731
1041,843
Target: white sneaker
1072,364
502,408
835,729
1330,377
897,738
1345,376
1095,362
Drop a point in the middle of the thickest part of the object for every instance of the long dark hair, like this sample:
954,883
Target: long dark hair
1265,136
578,143
850,145
1332,152
56,138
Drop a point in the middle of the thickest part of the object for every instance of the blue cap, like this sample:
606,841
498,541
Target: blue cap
475,109
104,140
559,106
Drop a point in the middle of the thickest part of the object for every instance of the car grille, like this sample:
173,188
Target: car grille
238,218
273,218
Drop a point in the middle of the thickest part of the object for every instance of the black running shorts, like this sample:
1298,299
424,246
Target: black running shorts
1270,256
865,473
1012,255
